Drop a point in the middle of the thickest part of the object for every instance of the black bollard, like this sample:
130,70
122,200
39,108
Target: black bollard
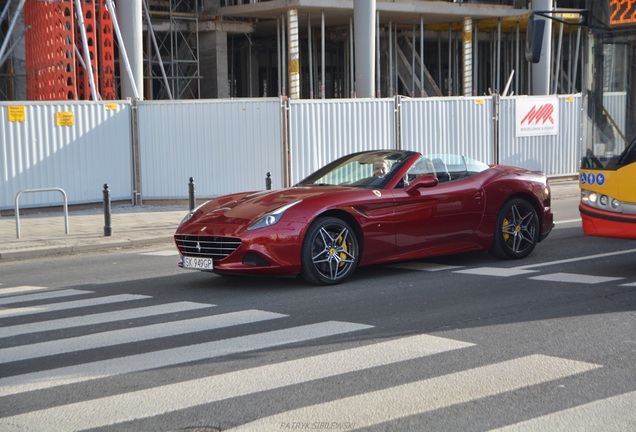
191,193
268,181
108,231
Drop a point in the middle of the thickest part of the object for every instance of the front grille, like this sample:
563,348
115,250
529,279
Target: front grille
206,247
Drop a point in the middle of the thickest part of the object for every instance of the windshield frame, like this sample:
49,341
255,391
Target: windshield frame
345,169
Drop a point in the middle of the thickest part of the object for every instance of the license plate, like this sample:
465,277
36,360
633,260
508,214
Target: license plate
197,263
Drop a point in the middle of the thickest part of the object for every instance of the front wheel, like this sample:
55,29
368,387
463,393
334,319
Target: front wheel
517,230
330,252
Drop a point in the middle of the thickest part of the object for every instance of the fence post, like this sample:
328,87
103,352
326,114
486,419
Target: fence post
496,100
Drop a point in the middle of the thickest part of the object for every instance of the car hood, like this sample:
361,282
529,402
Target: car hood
244,208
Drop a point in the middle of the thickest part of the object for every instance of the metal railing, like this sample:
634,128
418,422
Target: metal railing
17,206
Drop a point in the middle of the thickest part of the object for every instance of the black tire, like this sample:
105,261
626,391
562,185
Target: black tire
330,252
517,230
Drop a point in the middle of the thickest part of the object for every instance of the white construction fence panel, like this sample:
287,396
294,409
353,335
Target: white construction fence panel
226,146
76,146
556,155
458,125
321,131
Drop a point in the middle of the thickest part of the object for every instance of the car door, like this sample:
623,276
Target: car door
442,216
376,215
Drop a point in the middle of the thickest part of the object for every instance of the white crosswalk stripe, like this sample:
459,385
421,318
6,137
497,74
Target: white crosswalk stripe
54,307
20,289
494,271
575,278
102,318
42,296
602,415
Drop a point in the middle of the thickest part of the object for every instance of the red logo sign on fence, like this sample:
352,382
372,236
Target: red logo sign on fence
536,116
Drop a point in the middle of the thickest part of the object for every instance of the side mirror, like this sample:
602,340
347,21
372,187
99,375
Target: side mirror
425,181
534,39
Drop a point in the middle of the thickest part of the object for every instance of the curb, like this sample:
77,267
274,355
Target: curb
58,250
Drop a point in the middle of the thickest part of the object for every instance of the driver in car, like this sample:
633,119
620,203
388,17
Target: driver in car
380,168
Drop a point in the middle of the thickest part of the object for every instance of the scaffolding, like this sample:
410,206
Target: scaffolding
413,58
66,45
172,49
69,47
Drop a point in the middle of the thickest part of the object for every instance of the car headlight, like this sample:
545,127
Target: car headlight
191,213
272,217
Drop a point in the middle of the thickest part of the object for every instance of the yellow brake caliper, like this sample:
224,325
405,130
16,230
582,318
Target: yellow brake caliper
506,236
343,255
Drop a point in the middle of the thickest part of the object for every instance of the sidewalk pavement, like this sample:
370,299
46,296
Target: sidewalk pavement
43,234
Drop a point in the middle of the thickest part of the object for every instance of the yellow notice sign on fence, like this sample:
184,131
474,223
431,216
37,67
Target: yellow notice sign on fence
64,118
16,113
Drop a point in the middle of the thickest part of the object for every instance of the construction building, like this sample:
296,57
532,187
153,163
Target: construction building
308,49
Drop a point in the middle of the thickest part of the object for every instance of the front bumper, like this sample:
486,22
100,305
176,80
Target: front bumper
548,223
263,251
602,223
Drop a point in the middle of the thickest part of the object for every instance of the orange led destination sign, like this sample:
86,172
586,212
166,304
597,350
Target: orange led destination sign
622,12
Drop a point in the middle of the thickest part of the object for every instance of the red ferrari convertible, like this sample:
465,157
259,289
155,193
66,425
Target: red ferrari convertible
369,208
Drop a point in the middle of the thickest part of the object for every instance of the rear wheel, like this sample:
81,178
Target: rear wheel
330,252
517,230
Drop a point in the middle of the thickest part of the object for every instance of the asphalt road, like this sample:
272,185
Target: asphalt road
467,342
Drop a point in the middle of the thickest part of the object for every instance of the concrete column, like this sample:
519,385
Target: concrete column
467,40
322,56
364,31
130,19
541,70
213,66
293,66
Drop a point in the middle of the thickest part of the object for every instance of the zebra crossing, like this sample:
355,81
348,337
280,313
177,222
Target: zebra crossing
352,412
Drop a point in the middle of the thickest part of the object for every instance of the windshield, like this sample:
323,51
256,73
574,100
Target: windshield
611,114
446,167
372,169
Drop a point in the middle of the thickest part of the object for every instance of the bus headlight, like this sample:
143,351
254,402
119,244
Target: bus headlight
605,202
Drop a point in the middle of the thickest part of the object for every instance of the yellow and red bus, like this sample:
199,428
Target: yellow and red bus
607,176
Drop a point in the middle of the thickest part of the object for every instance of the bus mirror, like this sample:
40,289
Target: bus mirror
534,39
